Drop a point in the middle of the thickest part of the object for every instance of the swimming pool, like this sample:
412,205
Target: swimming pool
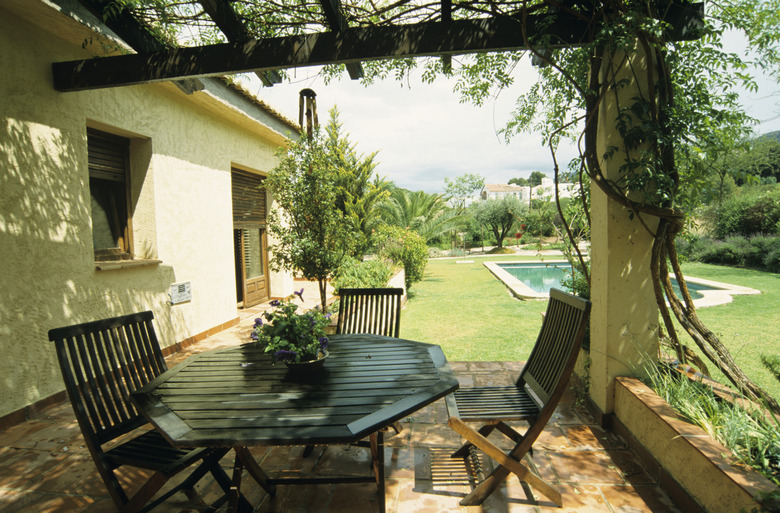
533,280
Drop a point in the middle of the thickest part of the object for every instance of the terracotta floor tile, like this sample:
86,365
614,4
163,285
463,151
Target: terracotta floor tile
633,472
630,499
45,467
436,435
54,503
579,499
585,467
75,475
490,367
290,499
21,466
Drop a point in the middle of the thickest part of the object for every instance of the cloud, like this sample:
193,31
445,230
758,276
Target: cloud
421,131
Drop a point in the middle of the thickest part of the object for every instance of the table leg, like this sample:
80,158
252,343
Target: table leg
234,496
254,469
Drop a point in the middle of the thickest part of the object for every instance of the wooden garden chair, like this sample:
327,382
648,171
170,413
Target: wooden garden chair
533,398
375,311
368,310
102,362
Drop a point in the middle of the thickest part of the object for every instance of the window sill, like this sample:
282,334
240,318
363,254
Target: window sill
125,264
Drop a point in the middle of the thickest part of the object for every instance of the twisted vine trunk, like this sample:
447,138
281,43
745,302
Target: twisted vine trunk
655,81
664,250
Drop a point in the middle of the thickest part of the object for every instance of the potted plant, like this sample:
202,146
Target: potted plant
291,337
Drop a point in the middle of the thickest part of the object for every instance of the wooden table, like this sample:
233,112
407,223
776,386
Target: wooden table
236,398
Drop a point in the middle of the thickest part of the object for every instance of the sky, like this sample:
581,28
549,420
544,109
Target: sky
423,133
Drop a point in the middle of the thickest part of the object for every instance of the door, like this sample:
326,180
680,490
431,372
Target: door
251,266
249,238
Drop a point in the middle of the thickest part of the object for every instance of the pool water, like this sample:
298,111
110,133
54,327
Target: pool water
542,277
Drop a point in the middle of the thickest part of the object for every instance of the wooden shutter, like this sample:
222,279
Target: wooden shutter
248,199
107,155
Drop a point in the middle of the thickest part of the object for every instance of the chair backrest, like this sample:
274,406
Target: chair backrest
557,347
375,311
102,363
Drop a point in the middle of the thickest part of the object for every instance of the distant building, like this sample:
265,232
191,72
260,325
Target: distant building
501,191
523,192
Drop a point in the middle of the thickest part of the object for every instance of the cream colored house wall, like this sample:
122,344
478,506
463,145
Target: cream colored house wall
182,151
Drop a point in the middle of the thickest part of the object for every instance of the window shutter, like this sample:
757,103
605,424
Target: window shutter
248,199
107,155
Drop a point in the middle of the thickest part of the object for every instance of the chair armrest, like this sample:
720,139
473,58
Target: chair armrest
452,406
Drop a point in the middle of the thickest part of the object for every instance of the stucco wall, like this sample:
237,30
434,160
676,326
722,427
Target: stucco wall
181,154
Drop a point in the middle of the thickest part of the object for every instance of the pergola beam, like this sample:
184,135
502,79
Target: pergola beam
223,15
446,17
334,15
135,34
350,45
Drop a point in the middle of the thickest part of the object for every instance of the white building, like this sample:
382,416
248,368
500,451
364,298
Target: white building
523,192
114,200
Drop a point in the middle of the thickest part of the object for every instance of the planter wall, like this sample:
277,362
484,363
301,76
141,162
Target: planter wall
685,454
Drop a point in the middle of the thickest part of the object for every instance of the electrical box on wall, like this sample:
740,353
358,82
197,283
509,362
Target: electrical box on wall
181,292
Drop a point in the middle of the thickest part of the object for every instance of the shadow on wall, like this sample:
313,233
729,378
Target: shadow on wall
49,277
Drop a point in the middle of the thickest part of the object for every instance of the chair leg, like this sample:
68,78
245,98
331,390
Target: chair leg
463,452
507,463
142,496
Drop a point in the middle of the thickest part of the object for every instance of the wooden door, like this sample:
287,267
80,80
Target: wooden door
251,266
249,237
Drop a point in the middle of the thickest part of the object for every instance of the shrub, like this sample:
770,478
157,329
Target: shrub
722,253
754,438
757,210
366,274
759,252
404,247
771,261
435,252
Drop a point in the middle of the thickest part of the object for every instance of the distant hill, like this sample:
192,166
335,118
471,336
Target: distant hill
773,135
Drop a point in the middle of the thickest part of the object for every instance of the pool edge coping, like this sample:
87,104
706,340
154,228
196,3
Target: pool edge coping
721,295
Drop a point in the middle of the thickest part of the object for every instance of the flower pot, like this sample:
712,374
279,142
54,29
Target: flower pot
307,367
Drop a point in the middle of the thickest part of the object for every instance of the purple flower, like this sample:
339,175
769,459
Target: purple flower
299,293
284,355
254,336
258,322
327,315
323,343
274,302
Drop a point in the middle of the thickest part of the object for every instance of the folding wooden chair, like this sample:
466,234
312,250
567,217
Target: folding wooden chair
532,398
369,310
102,363
375,311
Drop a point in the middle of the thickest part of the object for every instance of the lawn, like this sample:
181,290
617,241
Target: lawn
472,316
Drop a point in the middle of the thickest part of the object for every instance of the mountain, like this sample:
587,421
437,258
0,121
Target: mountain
773,135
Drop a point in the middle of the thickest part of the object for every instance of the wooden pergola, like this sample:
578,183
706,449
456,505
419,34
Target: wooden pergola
322,32
266,37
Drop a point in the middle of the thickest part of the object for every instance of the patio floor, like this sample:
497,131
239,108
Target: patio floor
45,467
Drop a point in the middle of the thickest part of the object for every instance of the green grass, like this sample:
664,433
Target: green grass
472,316
749,326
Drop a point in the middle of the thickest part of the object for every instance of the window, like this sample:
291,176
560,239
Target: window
108,187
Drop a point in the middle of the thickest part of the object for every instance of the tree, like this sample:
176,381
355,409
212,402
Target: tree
357,195
426,214
518,181
462,187
498,215
312,236
535,178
